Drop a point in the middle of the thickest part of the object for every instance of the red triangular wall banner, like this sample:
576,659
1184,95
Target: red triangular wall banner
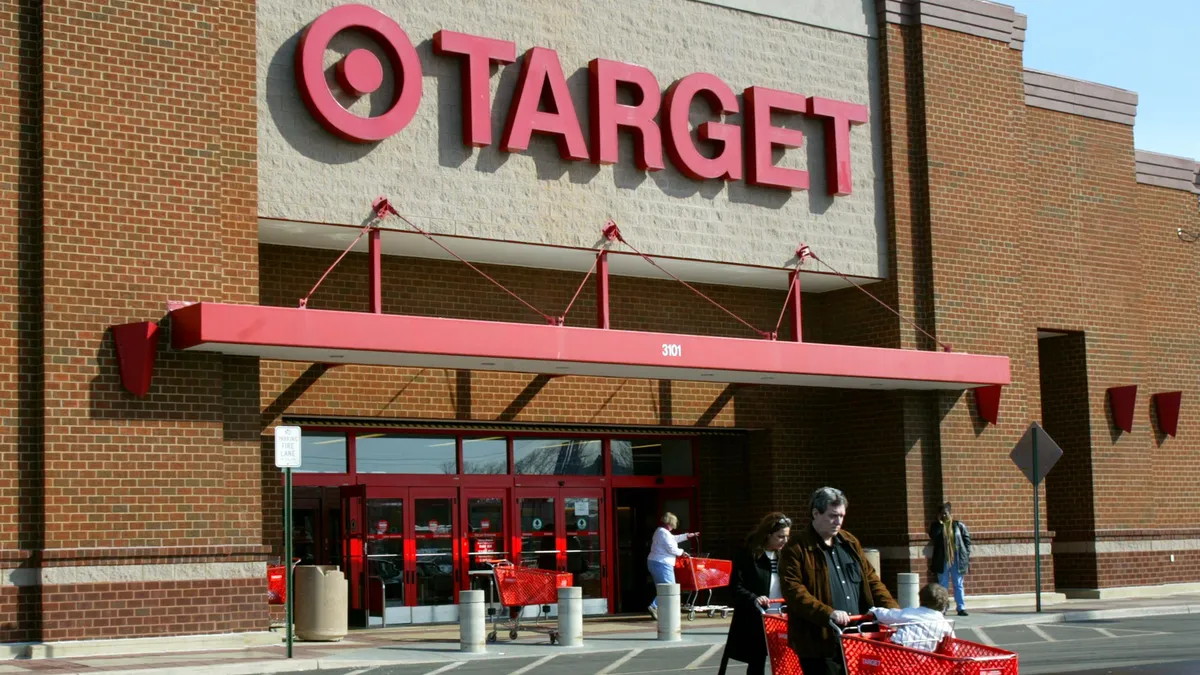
987,402
1166,407
1122,400
137,344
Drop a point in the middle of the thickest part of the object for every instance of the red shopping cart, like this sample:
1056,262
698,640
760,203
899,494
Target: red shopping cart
867,649
277,583
697,575
521,587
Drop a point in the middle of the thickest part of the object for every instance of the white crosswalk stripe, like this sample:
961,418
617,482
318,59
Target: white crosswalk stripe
533,665
699,661
618,663
1041,633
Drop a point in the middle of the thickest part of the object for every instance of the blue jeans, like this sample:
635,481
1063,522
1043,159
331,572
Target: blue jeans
951,572
662,573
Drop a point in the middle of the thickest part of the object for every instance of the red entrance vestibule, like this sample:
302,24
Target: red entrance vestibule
416,516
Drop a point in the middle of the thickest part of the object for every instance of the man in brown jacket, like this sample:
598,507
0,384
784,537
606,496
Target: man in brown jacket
826,577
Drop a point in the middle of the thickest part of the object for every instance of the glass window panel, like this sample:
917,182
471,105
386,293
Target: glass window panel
677,457
585,550
385,547
393,453
537,533
322,452
558,457
644,457
485,455
435,546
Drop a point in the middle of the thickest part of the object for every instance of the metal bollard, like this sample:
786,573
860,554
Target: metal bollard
668,613
472,629
907,584
570,616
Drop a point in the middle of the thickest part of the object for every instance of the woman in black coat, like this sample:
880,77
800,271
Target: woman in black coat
755,580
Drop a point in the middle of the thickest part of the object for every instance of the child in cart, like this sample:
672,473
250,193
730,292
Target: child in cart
921,627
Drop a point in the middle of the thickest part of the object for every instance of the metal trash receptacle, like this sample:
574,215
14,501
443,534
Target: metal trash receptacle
322,611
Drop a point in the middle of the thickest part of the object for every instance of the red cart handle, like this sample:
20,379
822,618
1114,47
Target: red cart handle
854,618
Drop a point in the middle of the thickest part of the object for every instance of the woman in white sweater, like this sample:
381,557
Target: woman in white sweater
664,549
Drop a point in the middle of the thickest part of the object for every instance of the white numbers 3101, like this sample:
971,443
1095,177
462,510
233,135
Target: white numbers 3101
672,350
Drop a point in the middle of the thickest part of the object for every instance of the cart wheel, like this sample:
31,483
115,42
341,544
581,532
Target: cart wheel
692,615
724,614
553,638
512,635
712,613
491,636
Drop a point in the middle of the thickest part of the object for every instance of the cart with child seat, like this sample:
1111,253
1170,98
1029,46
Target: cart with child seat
867,649
520,587
698,575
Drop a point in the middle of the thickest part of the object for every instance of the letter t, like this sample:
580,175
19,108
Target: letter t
477,101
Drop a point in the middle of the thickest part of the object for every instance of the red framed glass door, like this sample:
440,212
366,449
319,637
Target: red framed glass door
585,545
434,558
401,545
388,550
564,529
485,537
539,536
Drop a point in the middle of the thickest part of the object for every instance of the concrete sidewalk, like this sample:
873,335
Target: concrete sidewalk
439,644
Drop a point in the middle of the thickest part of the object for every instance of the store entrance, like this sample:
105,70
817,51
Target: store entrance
414,519
637,515
401,554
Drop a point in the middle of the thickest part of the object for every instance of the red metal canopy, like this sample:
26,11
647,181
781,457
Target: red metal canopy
322,336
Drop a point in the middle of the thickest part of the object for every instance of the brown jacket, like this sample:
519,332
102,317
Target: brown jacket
805,580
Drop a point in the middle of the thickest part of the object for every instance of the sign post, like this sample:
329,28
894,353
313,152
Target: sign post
1035,454
287,457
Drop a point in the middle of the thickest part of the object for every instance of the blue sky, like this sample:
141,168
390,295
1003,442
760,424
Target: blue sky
1151,47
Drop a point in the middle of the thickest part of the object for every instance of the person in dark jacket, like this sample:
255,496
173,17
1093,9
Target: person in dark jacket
951,544
826,577
755,580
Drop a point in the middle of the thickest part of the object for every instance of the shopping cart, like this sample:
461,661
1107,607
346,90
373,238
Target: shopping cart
867,649
697,575
277,583
521,587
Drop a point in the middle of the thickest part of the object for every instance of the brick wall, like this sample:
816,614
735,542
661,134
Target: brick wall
136,187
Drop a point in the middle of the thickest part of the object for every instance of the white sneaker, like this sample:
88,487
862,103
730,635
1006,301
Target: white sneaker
653,612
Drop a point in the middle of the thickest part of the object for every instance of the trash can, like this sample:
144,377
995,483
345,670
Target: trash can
321,612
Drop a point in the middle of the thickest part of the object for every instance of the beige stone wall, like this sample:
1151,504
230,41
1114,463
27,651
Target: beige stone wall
307,174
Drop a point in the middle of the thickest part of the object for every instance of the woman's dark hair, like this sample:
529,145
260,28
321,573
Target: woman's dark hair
771,523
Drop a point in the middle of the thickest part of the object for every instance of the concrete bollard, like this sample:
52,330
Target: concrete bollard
668,613
873,558
570,616
907,585
472,629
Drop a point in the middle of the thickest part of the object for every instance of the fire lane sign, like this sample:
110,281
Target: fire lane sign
287,447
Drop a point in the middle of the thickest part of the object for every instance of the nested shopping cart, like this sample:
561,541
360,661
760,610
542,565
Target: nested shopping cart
521,587
700,575
867,649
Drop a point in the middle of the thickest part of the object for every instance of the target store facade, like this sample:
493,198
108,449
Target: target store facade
528,276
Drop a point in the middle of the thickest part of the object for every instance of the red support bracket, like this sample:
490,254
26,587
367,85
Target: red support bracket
1122,401
987,402
1166,409
137,345
602,290
376,272
794,304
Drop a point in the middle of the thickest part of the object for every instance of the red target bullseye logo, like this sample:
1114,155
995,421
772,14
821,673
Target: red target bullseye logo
358,73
